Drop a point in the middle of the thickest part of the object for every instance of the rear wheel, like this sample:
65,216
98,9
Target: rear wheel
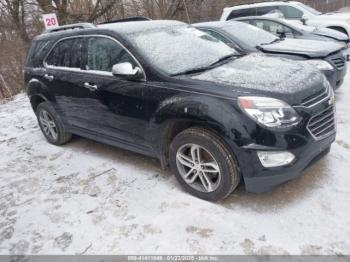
203,164
51,125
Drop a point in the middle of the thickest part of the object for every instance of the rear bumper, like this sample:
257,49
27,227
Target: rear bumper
267,179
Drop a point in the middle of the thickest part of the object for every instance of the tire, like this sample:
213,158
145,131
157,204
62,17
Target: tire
214,154
46,112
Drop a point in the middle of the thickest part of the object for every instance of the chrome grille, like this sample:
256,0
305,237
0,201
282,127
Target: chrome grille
339,62
322,124
316,98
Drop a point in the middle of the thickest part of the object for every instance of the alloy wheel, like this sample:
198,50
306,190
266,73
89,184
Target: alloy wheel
48,124
198,168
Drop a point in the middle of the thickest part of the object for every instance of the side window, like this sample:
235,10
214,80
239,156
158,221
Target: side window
37,53
271,27
241,13
67,53
217,36
103,53
291,12
266,9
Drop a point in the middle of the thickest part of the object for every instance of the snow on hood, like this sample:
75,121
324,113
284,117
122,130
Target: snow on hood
337,15
323,31
268,74
310,48
331,33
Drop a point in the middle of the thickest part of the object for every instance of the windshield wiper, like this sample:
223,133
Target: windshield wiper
225,58
202,69
270,43
193,71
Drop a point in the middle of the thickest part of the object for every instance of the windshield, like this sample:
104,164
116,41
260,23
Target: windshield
310,9
249,35
179,49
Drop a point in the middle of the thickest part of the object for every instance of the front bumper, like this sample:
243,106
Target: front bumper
336,76
267,179
306,141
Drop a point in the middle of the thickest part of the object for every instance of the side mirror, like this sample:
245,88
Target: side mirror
126,70
281,33
347,58
304,19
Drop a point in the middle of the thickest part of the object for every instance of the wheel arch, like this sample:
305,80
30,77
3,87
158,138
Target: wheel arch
38,92
172,128
37,99
339,28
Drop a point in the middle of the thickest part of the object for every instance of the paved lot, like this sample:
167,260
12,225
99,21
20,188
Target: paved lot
91,198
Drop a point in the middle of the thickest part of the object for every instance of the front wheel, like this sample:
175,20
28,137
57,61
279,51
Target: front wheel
203,164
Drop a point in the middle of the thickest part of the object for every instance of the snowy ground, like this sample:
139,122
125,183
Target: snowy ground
91,198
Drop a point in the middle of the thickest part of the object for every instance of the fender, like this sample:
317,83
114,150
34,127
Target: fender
332,26
35,87
182,111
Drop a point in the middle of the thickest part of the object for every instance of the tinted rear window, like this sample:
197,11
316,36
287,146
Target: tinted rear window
266,9
67,53
242,13
37,52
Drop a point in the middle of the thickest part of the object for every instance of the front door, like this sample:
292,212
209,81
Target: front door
117,108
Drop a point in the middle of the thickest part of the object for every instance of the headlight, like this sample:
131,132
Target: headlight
320,64
269,112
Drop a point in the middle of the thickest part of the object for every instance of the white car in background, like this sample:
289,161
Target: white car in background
293,10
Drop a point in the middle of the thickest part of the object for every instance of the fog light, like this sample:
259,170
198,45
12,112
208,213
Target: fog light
275,159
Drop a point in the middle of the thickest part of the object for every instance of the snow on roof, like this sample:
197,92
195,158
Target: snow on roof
135,27
218,24
257,5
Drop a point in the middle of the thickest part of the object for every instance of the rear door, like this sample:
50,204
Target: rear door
65,72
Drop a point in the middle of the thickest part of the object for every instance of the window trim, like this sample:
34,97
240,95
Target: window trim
101,73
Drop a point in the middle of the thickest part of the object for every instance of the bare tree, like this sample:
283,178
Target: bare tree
69,11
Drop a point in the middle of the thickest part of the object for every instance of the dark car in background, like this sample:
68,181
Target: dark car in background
169,91
295,29
329,57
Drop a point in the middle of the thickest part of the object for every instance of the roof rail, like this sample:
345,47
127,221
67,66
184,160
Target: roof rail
129,19
70,27
262,2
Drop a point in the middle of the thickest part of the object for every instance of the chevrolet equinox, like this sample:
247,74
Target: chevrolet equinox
167,90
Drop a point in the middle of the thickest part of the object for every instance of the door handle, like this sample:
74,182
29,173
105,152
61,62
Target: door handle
91,87
49,77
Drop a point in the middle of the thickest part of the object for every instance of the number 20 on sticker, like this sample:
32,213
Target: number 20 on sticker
50,21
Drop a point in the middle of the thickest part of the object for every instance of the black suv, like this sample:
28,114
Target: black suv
170,91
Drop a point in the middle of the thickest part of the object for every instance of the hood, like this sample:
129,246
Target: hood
337,15
331,33
309,48
257,74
